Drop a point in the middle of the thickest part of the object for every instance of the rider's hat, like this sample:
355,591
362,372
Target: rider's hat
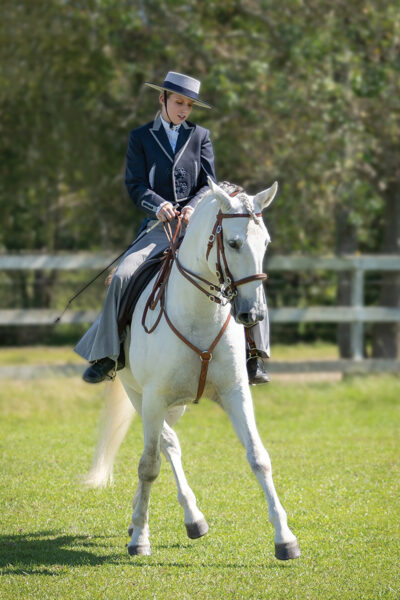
182,85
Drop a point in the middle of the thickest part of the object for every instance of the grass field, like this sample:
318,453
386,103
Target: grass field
335,454
35,355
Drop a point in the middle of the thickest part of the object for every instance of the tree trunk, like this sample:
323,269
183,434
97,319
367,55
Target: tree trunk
386,336
346,243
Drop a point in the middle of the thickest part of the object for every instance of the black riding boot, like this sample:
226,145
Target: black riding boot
101,369
256,371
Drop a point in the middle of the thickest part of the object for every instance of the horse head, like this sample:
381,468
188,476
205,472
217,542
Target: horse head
244,239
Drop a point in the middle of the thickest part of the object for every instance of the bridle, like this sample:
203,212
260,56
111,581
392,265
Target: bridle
227,286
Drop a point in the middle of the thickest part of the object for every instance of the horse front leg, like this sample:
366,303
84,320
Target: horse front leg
239,406
195,523
149,468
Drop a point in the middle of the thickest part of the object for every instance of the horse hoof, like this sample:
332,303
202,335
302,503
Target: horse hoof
130,530
139,550
287,551
197,530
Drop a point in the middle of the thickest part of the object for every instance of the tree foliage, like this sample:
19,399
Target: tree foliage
304,92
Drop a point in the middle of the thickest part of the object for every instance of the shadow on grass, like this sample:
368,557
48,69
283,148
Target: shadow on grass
47,552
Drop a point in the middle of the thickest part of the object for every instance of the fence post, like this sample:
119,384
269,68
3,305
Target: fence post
357,301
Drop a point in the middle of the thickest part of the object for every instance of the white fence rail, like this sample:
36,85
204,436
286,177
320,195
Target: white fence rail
356,314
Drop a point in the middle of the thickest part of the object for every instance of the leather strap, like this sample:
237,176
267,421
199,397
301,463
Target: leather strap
190,277
252,348
157,294
230,289
205,355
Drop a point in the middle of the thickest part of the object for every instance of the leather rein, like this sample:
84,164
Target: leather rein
227,287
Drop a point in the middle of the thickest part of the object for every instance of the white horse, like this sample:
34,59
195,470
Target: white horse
162,371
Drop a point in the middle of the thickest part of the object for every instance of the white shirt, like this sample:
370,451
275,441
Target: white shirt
172,133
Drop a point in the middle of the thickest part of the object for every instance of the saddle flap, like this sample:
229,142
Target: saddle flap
139,280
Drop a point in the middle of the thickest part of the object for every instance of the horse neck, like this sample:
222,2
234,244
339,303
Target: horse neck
183,298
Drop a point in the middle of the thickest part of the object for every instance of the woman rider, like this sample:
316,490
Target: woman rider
167,165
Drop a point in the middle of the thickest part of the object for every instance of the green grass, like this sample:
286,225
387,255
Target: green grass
304,351
32,355
38,355
334,450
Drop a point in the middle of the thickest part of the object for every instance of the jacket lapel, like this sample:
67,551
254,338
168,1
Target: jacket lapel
185,133
158,133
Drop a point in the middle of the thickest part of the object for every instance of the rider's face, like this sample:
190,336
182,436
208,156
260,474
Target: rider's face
179,108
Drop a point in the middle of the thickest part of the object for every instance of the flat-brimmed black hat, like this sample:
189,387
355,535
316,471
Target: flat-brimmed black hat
183,85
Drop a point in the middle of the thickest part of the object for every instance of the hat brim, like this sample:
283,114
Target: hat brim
161,88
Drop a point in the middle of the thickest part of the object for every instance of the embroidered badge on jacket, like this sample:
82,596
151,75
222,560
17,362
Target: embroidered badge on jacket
181,185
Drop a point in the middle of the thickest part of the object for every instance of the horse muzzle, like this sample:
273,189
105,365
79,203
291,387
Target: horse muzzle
247,314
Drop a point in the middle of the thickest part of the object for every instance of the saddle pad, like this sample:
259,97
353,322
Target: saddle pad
139,280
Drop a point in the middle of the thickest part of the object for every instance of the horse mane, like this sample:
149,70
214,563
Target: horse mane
229,188
233,189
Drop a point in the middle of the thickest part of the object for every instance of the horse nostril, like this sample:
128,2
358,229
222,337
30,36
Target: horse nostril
247,318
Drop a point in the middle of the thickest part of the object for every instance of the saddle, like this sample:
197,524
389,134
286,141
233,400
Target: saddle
140,279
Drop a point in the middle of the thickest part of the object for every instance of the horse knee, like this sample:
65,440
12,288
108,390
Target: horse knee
259,462
149,468
128,266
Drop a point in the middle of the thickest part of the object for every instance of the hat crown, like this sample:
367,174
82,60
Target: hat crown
183,81
181,84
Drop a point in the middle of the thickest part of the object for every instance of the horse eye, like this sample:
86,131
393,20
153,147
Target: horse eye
235,243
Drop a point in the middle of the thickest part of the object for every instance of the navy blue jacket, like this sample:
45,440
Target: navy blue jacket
154,173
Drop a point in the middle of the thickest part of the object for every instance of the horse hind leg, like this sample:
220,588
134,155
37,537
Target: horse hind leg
239,407
195,523
149,468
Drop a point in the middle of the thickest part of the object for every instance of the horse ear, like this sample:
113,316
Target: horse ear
222,197
265,198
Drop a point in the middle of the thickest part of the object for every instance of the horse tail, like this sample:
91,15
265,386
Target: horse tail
117,415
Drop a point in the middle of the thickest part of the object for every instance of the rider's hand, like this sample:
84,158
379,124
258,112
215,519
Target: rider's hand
167,212
186,213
